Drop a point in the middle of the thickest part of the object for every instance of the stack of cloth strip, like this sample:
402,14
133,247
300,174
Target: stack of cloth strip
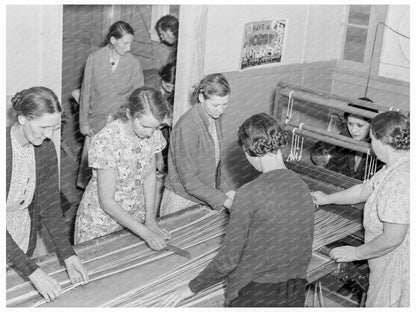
127,273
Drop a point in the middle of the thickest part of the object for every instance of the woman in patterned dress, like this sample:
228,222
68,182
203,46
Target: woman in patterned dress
121,192
386,214
32,187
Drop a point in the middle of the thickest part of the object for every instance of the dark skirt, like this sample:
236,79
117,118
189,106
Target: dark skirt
286,294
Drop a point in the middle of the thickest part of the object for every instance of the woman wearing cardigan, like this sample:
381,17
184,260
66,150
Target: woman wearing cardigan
32,187
194,161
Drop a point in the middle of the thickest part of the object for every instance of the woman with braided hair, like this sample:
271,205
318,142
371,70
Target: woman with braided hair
32,188
386,214
268,244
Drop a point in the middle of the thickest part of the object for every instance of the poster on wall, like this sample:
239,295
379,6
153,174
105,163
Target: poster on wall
262,43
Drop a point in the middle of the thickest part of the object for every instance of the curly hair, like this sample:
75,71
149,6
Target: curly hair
213,84
143,100
392,128
35,102
261,134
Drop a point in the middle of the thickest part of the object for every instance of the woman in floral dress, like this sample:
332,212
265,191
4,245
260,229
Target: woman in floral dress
386,214
121,192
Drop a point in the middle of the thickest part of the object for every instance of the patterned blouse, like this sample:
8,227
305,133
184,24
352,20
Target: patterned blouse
111,148
22,188
389,202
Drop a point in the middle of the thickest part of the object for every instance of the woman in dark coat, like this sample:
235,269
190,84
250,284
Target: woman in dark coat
32,188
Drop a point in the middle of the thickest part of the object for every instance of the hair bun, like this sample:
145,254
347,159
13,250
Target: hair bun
16,100
401,139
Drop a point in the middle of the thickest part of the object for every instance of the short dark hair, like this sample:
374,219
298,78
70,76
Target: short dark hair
168,22
143,100
213,84
392,128
346,114
261,134
35,102
118,30
167,73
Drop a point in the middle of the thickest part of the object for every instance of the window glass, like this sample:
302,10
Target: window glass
355,42
359,14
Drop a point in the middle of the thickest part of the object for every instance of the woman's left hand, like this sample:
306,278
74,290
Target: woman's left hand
231,194
77,272
344,254
159,163
154,226
177,296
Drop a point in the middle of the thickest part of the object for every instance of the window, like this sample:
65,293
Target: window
356,33
359,35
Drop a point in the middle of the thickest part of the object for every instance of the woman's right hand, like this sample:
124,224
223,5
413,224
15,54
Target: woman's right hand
155,240
86,131
319,198
47,286
228,202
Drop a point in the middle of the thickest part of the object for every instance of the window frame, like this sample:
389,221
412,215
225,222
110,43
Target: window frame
378,14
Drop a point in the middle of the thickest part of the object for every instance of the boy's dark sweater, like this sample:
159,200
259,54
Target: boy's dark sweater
269,235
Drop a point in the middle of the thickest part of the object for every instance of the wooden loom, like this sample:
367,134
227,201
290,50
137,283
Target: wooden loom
306,113
124,272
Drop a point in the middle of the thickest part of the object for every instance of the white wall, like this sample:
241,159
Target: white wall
395,57
23,47
33,49
312,33
324,32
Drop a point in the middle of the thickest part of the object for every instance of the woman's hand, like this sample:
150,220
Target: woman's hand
47,286
86,131
154,240
229,201
159,163
344,254
231,194
319,198
177,296
77,272
154,226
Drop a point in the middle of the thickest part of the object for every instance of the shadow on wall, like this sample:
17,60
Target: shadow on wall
9,110
251,94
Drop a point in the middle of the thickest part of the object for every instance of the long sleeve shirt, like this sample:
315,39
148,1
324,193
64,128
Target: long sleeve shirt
269,235
104,91
193,173
45,206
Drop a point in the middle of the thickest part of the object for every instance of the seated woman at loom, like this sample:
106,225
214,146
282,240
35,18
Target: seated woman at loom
386,214
32,187
194,161
268,244
121,193
348,162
